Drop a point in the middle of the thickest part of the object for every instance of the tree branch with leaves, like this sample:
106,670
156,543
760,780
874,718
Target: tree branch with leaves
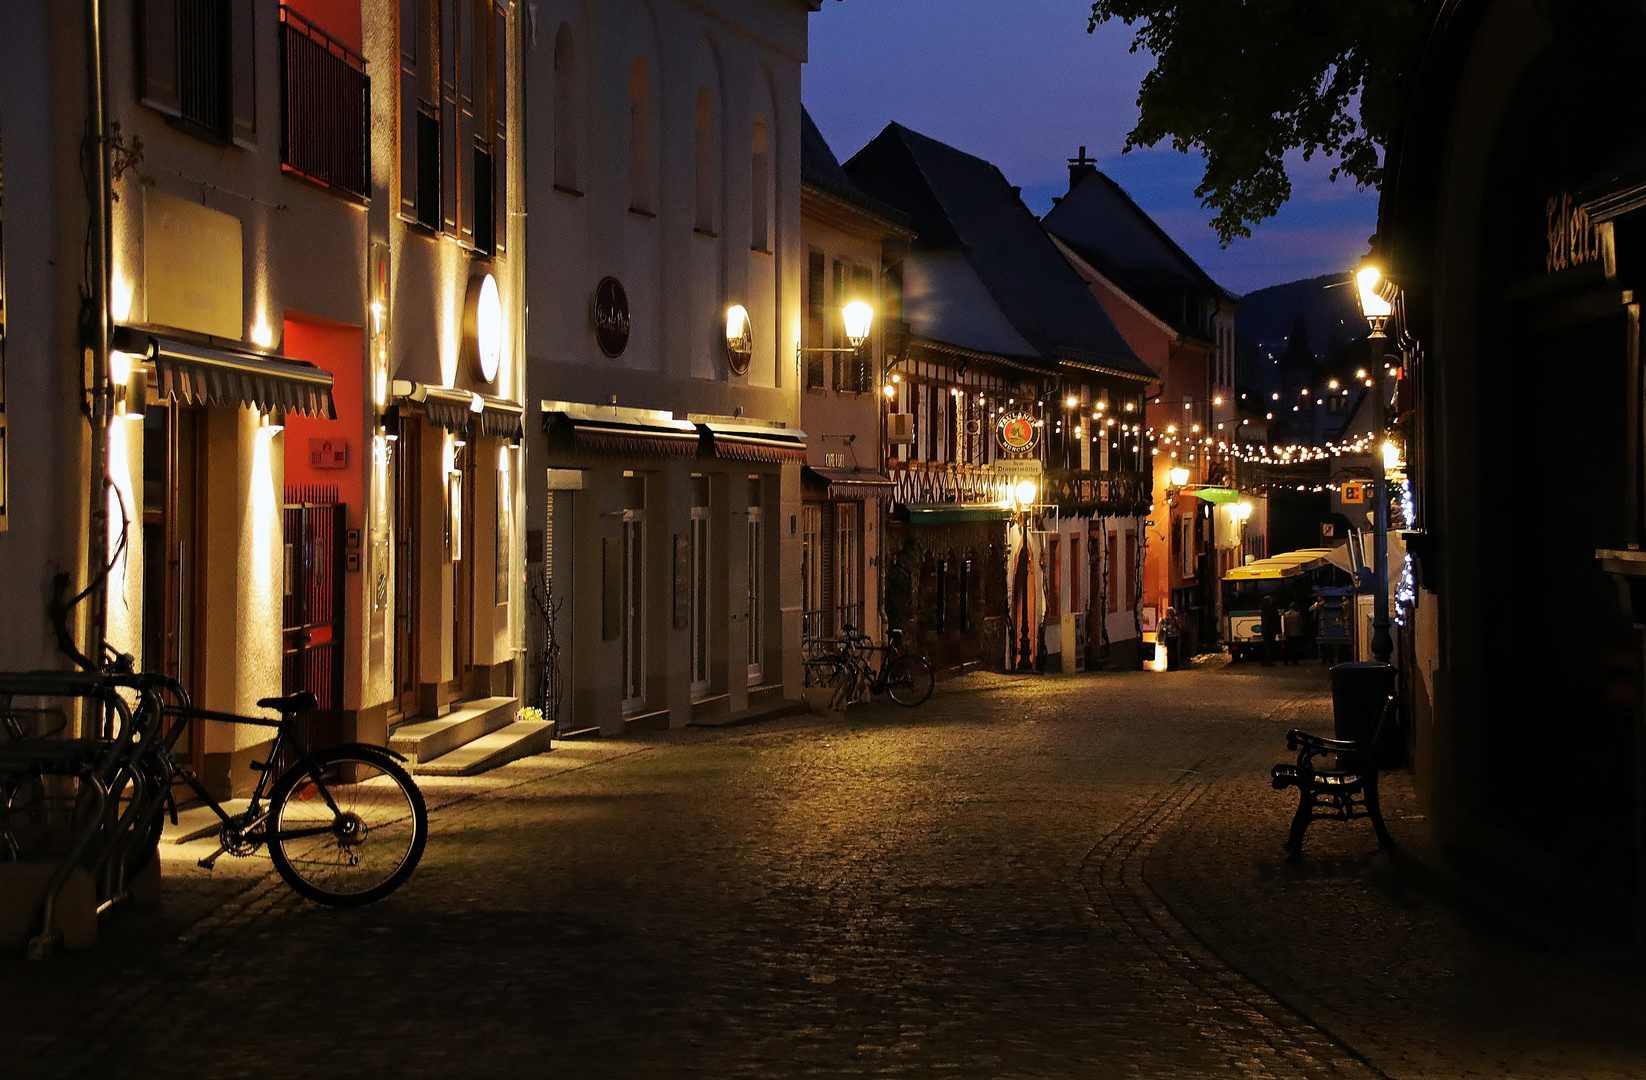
1247,81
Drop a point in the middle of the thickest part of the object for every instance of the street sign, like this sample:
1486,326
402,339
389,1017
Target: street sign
1354,492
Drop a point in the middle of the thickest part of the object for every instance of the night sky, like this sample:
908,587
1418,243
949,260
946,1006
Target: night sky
1021,83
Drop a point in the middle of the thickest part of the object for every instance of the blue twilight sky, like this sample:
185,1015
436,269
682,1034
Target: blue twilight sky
1021,83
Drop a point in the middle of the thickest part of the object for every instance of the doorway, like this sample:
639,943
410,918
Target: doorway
407,515
170,537
757,593
700,590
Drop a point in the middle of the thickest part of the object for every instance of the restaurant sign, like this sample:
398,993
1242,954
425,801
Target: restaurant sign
611,317
1018,431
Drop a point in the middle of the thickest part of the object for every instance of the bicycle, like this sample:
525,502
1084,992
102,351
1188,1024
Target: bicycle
907,678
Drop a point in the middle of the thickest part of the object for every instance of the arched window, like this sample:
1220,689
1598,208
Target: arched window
707,175
640,138
565,110
760,232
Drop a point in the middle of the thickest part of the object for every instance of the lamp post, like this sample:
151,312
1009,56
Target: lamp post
1375,306
1023,495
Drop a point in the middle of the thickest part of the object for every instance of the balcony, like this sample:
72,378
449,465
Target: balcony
1090,491
324,134
924,482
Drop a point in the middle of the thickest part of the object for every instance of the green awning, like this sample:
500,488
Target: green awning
950,515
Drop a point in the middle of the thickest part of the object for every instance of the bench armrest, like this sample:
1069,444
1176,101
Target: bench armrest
1302,740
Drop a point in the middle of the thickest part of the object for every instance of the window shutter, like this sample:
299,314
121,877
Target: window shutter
501,54
157,59
412,50
467,88
243,72
826,542
450,145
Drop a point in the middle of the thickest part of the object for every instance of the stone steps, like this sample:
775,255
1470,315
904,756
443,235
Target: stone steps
517,740
424,740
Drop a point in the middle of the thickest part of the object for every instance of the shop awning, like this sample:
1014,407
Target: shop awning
447,408
949,515
628,435
751,442
454,410
197,375
847,483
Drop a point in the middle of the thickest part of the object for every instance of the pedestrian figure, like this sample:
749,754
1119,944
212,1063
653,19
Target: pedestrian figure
1170,633
1317,621
1269,625
1297,632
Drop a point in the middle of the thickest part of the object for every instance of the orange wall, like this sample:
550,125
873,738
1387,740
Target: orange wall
340,350
339,18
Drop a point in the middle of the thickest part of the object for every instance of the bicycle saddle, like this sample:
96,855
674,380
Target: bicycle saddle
303,699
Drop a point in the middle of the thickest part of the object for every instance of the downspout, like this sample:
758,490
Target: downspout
95,328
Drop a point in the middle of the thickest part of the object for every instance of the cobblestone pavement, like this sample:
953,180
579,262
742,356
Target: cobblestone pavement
1038,877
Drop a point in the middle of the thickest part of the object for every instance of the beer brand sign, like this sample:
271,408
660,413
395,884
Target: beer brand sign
1574,240
1018,432
611,317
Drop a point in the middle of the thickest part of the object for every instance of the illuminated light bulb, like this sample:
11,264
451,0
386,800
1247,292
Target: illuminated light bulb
1276,395
889,390
1072,402
1391,455
1218,400
1129,406
896,378
119,367
262,335
1024,492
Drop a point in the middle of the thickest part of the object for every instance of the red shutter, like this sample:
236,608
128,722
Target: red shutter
449,144
413,47
157,56
501,55
243,72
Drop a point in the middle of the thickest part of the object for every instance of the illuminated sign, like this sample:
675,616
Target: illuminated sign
1018,432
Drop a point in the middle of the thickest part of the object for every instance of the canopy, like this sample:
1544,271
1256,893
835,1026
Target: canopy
1291,564
197,375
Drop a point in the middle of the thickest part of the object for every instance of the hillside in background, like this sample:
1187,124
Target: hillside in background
1326,304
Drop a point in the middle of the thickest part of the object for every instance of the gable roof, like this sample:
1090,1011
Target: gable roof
820,171
961,204
1102,223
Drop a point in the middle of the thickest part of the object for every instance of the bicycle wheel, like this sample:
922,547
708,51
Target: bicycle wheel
361,851
909,679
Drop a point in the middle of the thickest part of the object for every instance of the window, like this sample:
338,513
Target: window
1074,575
848,583
324,131
488,94
940,615
565,110
640,139
1054,577
700,590
756,614
1129,569
812,616
196,64
816,299
706,176
1186,546
760,231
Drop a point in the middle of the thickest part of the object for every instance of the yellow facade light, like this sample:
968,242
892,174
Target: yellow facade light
858,319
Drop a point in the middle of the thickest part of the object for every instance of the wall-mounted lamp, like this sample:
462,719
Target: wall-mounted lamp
1024,493
739,339
1373,304
273,420
390,424
857,317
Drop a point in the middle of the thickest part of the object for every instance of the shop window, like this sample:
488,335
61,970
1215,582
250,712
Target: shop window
700,587
633,595
196,64
756,612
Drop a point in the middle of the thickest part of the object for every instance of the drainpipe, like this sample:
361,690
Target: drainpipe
96,330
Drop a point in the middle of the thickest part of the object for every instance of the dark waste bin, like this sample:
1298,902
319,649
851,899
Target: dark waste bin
1359,689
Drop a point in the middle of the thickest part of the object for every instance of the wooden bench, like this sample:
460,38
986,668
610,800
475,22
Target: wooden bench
1347,791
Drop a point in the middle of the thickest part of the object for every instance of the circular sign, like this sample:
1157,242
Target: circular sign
1018,432
611,317
484,327
739,339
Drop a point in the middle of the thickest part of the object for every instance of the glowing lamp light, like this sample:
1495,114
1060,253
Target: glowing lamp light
503,456
1024,492
262,335
737,322
1072,402
1130,406
1391,455
1241,511
1372,305
488,328
119,367
889,390
857,317
272,422
477,404
1179,476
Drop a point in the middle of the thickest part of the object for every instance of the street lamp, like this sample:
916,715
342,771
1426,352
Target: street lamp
1375,306
857,317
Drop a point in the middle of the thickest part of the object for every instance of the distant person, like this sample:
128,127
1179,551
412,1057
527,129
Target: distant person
1269,626
1317,623
1296,625
1170,634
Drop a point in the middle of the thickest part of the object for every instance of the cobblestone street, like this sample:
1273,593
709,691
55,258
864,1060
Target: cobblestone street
1037,877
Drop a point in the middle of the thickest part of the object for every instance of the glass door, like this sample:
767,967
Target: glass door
634,611
700,602
756,615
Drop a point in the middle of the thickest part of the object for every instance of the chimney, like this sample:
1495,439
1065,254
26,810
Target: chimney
1080,168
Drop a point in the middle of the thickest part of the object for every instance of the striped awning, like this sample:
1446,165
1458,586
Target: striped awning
848,483
628,436
197,375
748,442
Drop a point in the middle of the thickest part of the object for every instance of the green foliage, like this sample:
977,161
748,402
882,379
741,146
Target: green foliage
1245,81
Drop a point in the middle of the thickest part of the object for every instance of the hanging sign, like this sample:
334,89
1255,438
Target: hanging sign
1354,491
1017,431
611,317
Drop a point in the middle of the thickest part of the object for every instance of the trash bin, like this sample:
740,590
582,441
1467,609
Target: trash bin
1359,689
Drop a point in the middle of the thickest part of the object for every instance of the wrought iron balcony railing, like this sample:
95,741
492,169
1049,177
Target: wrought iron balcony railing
1104,492
325,134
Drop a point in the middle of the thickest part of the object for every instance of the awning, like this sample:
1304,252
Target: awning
197,375
750,442
447,408
949,515
503,418
454,410
847,483
625,435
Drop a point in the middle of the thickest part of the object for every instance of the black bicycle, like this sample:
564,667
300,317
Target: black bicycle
845,664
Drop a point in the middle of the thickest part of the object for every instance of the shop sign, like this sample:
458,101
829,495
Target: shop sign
1017,431
611,317
1574,240
1016,467
1354,492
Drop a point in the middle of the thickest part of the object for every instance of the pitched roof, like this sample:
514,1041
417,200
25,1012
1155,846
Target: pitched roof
820,170
962,206
1102,223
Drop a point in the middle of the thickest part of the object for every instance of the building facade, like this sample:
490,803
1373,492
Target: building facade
310,213
1014,430
664,290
